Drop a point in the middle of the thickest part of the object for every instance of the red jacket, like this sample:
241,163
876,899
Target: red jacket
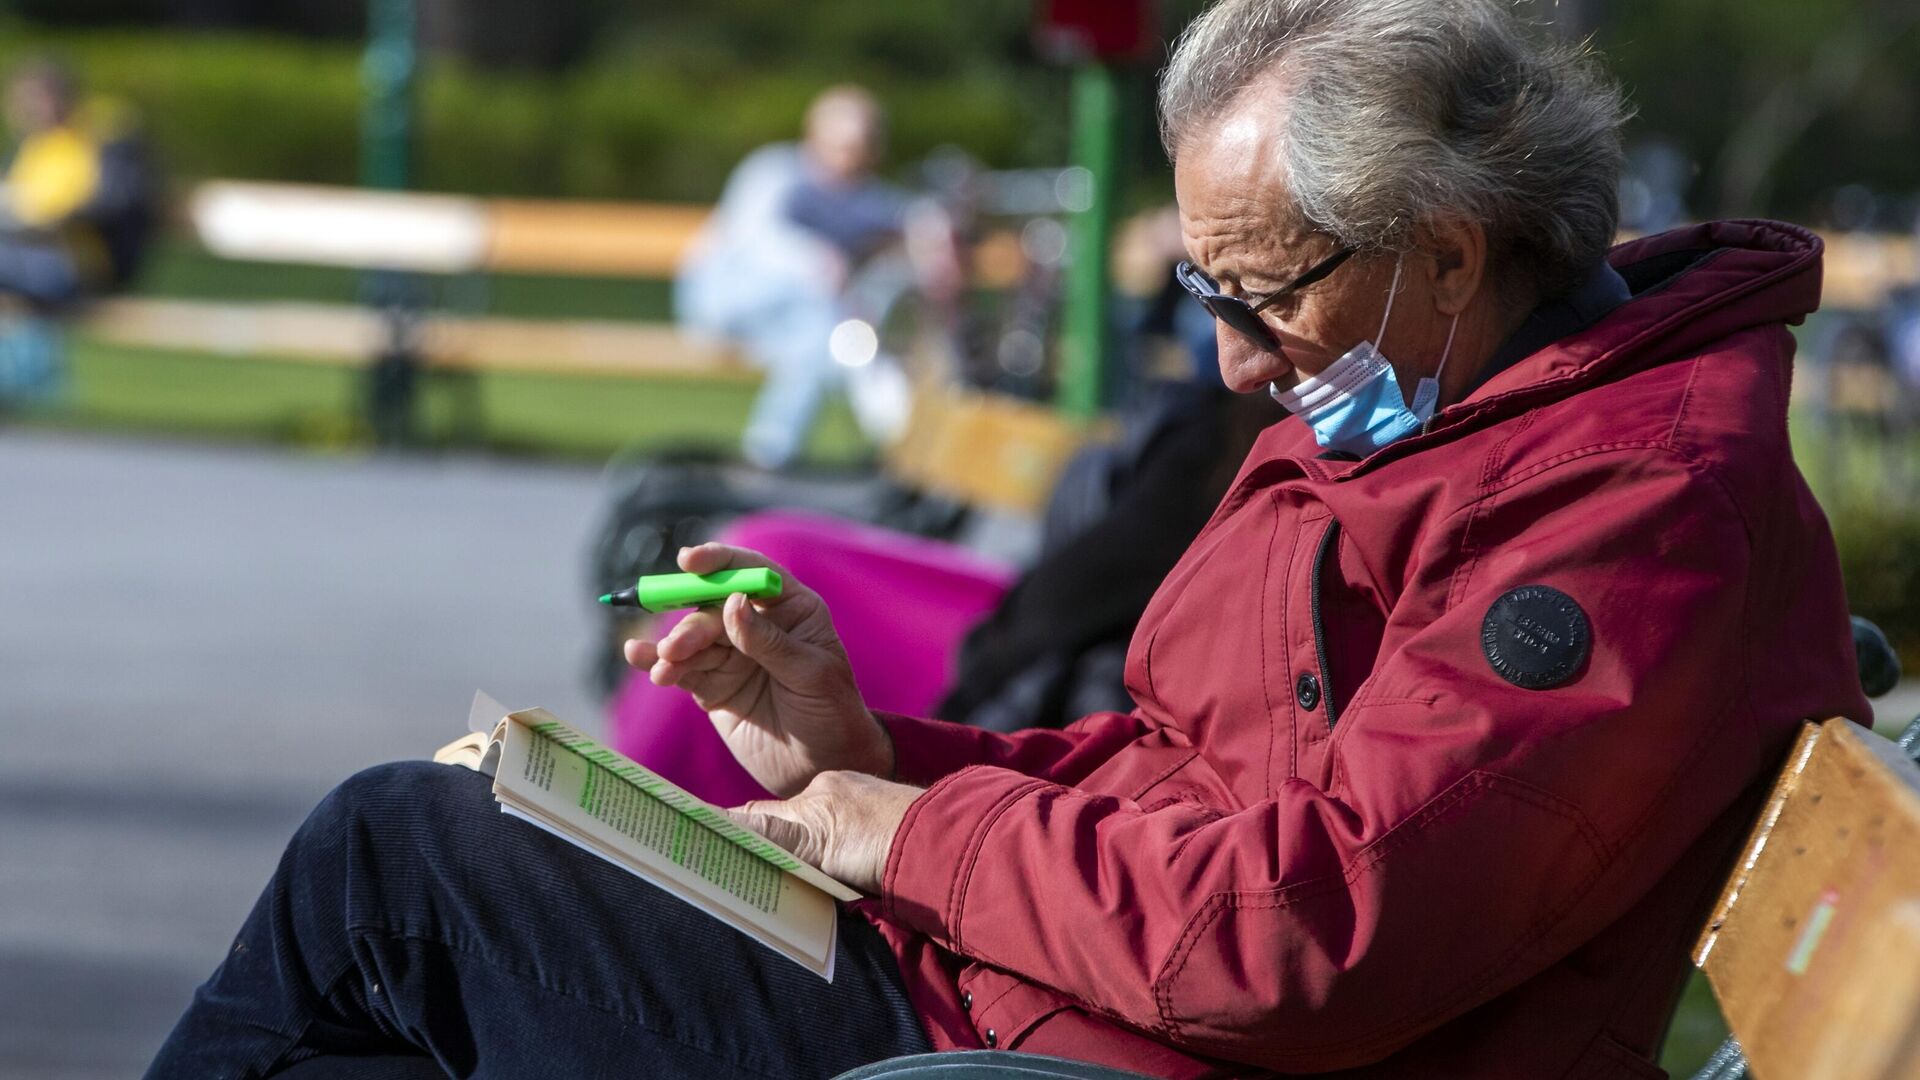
1439,756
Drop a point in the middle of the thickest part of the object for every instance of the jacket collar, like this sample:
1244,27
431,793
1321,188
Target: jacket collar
1690,287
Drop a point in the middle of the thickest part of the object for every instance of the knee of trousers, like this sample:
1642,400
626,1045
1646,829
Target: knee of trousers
402,806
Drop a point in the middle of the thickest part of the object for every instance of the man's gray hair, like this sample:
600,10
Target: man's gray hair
1401,113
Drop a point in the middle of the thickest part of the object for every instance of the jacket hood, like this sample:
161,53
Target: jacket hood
1691,287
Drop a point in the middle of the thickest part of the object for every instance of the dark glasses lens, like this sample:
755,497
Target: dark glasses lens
1232,311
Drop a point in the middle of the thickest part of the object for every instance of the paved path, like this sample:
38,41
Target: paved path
1892,713
194,645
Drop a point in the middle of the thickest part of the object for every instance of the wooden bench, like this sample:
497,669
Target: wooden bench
347,334
418,233
1813,950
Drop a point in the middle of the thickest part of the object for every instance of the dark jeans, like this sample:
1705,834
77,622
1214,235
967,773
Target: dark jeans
42,272
412,929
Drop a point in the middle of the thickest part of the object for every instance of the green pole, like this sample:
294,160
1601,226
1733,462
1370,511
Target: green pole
1087,330
386,118
386,162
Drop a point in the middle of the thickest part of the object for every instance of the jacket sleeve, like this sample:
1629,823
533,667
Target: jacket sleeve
1474,832
926,751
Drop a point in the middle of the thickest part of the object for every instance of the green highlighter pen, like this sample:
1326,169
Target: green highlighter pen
671,592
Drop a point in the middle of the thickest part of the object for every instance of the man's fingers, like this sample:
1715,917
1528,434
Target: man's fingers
691,635
765,818
711,658
712,558
641,653
766,644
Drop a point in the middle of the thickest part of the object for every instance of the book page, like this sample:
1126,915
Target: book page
556,786
664,791
468,750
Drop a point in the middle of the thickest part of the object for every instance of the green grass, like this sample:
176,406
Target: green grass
1696,1032
162,391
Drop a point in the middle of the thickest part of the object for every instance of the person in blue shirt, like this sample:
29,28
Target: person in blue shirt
770,270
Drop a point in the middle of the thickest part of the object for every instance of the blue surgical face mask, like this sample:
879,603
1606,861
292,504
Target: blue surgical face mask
1355,405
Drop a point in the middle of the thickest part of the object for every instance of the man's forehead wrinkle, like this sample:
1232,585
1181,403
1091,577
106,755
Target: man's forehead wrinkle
1244,234
1236,213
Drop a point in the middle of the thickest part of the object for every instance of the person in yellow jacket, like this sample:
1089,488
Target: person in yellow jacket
76,196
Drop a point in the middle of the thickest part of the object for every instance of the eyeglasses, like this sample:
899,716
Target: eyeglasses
1242,316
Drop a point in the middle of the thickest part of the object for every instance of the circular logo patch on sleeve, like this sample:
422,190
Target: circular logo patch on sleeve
1536,637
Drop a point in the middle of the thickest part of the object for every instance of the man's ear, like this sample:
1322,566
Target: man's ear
1459,251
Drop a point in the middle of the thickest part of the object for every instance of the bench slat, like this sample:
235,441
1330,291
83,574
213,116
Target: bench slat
344,334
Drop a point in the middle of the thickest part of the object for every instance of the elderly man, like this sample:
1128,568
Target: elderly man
1446,723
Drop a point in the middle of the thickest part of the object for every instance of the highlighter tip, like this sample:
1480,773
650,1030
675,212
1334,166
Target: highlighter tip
607,599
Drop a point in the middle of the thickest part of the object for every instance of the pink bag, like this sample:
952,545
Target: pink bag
900,603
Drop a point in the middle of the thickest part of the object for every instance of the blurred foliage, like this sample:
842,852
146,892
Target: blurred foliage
1778,101
1866,475
1880,560
275,108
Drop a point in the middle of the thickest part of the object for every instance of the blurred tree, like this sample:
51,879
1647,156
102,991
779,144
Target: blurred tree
320,18
858,37
1825,83
1779,101
541,34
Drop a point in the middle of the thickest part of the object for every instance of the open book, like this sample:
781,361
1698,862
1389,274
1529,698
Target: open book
560,780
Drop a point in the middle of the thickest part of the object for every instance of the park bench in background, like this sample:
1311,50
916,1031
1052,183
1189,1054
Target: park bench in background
412,233
969,446
446,235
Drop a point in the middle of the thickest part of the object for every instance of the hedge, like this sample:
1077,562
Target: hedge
274,108
1880,560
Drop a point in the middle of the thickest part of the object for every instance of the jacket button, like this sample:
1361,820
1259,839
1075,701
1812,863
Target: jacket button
1307,691
966,1000
993,1039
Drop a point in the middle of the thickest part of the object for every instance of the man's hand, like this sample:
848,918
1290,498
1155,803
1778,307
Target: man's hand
842,823
772,676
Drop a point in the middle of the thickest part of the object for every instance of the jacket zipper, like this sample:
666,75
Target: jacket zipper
1327,542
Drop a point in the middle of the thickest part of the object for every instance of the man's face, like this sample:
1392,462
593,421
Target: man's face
1237,226
32,106
843,142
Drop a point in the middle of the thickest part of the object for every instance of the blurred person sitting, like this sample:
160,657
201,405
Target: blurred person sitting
771,269
76,200
1054,648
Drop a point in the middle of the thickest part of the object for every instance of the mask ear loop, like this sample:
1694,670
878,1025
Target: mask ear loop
1393,291
1445,355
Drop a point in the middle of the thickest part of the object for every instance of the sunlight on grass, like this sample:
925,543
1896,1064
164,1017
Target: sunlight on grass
153,390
